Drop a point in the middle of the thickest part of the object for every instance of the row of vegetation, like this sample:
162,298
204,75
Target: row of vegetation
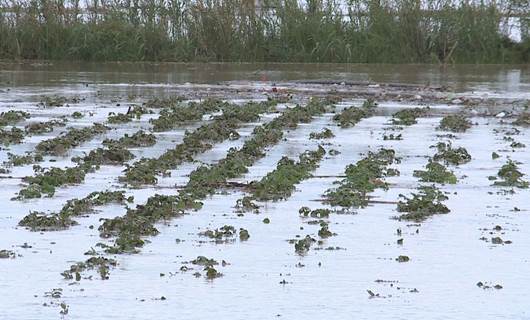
139,222
391,31
204,181
40,221
361,179
280,183
222,127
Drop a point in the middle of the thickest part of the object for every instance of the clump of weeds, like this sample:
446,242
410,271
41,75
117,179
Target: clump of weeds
436,172
511,176
350,116
407,117
324,134
455,123
425,203
450,155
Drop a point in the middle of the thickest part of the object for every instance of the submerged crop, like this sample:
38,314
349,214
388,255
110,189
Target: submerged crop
223,127
362,178
425,203
407,117
511,176
12,117
73,138
39,221
280,183
437,173
455,123
352,115
450,155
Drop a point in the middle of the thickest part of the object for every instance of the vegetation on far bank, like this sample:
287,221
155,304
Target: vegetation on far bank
361,31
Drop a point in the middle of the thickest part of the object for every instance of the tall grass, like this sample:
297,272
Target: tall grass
383,31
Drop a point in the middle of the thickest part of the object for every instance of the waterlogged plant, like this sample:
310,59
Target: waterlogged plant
204,181
455,123
523,119
7,254
134,112
280,183
137,140
73,138
350,116
223,127
39,221
44,127
21,160
317,213
58,101
324,232
140,221
407,117
221,234
324,134
12,117
450,155
425,203
511,176
176,113
435,172
11,136
302,246
361,179
100,264
45,181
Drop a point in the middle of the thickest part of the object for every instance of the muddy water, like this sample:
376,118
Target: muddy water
266,279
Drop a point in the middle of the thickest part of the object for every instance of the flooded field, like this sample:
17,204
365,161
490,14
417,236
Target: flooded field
264,192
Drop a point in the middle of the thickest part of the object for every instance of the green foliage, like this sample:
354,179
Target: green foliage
450,155
352,115
425,203
407,117
454,123
362,178
280,31
435,172
511,176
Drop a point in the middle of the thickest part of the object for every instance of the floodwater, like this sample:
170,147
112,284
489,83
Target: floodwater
265,278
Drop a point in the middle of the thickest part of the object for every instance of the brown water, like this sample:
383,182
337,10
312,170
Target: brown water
510,78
